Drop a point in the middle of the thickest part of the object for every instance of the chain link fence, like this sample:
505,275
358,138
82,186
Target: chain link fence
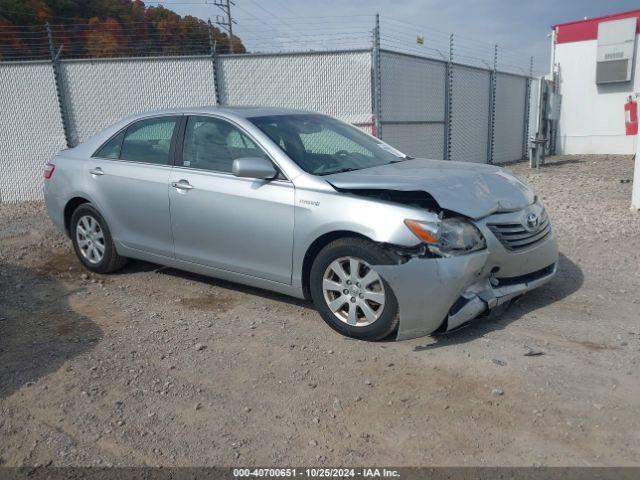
334,83
98,93
413,110
427,105
510,118
470,114
31,129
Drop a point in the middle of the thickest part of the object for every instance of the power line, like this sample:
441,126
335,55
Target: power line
271,14
264,23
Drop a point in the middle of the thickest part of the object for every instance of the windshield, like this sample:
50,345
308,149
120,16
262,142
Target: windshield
322,145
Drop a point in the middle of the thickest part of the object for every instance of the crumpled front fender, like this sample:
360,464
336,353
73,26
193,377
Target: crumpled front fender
426,288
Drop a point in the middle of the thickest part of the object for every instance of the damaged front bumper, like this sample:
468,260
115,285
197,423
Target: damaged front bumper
448,292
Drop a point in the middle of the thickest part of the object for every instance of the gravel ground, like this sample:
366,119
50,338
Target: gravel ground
151,366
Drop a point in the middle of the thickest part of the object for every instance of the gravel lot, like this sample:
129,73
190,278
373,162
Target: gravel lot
152,366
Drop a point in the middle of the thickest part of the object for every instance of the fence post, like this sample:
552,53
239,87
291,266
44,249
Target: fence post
448,103
555,75
493,80
59,87
527,111
377,80
214,64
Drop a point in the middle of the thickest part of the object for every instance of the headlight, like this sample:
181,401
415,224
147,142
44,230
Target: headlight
450,236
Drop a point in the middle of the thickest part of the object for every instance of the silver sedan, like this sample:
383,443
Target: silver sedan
303,204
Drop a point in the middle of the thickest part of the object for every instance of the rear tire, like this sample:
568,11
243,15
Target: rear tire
360,303
92,241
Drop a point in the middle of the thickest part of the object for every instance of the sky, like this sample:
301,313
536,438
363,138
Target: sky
519,27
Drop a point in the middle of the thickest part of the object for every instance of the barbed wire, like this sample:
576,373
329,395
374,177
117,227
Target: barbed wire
402,36
264,32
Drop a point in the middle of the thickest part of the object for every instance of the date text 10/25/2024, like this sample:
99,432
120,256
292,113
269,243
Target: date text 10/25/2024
315,472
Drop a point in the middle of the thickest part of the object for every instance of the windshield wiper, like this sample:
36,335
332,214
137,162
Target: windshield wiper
342,170
402,159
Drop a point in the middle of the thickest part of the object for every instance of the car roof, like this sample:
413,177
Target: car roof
88,146
239,111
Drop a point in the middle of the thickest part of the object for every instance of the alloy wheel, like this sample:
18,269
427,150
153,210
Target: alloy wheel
90,239
354,292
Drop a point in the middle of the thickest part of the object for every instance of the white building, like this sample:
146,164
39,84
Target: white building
597,67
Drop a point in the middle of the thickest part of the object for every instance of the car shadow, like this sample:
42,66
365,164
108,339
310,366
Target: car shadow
135,266
39,331
568,280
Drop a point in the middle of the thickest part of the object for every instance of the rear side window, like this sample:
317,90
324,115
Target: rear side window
111,149
149,141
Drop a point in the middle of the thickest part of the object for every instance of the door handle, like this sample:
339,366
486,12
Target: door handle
96,171
182,185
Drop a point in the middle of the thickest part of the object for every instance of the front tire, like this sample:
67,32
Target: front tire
349,294
92,241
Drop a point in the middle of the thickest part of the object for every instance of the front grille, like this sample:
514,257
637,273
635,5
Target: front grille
514,236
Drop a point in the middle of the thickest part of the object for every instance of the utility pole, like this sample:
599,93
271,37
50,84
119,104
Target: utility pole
226,22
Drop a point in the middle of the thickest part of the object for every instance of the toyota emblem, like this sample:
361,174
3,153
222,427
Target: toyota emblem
532,222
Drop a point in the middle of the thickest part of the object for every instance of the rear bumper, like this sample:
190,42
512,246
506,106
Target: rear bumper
54,205
455,290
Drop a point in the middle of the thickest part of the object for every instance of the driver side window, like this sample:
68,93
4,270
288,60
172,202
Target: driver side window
213,144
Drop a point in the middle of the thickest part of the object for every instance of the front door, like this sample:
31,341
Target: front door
241,225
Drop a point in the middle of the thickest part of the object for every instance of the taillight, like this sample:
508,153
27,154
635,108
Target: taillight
48,170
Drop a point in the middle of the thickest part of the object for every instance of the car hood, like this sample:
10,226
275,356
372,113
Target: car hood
470,189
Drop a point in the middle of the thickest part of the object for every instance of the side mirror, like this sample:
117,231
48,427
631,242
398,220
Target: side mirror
254,167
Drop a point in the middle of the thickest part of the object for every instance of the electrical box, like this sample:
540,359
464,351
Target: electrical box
616,47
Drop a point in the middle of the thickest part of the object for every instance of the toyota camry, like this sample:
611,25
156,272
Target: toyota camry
305,205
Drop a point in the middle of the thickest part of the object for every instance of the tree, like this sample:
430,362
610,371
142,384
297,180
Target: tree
104,39
103,28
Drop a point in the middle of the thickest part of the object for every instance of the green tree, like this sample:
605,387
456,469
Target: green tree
103,28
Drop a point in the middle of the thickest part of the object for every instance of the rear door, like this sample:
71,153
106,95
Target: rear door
241,225
129,176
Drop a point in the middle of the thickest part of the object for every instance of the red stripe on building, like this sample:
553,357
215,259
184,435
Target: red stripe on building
581,30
